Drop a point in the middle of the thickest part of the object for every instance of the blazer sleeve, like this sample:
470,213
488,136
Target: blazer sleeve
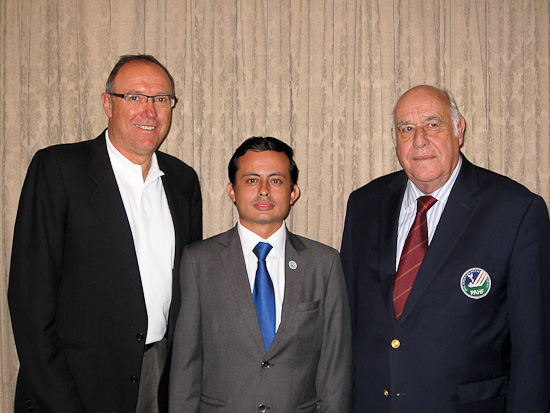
36,266
196,210
529,311
333,381
346,255
186,365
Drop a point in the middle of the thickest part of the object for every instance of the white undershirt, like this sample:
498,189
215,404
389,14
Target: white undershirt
153,233
408,210
275,262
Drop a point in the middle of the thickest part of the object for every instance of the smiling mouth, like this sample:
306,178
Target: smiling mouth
146,127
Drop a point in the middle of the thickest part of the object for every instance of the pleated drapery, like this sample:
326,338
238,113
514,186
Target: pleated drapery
322,75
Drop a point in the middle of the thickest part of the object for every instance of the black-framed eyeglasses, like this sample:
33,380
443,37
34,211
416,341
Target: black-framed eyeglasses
138,99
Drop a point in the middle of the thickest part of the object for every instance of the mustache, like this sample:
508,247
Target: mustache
264,200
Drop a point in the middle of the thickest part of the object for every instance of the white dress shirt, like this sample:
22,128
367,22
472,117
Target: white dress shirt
153,233
275,262
408,210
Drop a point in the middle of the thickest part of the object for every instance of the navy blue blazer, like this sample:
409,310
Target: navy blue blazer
456,347
75,294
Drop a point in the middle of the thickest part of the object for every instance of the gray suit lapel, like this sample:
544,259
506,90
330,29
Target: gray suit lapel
294,277
461,207
235,271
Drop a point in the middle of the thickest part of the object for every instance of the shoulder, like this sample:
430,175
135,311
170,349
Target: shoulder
68,150
170,164
66,156
500,189
311,247
379,186
213,243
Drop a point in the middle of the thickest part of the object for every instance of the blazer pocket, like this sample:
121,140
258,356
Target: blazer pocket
312,405
483,390
212,402
307,306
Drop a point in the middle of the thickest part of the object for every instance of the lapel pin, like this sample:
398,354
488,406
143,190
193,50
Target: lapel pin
292,265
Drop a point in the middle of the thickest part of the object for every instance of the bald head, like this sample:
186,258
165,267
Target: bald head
428,132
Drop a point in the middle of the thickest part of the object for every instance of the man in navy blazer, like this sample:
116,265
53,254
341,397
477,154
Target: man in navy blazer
473,333
100,224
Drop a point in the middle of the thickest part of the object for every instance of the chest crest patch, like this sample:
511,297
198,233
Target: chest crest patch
475,283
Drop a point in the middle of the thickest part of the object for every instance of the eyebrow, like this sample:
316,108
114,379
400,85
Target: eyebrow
270,175
437,118
407,122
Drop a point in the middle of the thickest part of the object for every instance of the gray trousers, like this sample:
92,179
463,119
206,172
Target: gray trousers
151,370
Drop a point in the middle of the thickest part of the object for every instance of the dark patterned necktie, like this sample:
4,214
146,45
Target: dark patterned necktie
413,253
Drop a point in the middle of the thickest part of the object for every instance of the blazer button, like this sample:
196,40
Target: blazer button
140,336
395,343
134,379
266,365
386,393
262,408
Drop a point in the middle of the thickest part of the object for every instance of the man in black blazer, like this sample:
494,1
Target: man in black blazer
92,291
229,354
473,333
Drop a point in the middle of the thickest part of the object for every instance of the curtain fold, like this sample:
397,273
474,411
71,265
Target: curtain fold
321,75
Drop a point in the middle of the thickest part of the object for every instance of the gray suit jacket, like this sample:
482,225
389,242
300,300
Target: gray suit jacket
219,363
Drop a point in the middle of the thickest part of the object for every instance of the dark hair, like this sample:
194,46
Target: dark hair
260,144
127,58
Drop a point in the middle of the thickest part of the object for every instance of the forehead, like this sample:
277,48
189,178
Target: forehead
137,76
422,103
264,162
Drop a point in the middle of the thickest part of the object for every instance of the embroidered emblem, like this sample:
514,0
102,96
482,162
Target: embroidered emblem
475,283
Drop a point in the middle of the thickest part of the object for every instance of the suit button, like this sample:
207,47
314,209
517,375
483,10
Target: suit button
395,343
262,408
140,336
266,365
386,393
134,379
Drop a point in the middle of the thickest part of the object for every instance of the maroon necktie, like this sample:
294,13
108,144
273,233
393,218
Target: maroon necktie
413,253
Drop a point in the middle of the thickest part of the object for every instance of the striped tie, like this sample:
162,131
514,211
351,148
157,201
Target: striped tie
413,253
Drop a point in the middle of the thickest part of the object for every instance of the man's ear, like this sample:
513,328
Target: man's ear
295,194
230,192
461,129
107,101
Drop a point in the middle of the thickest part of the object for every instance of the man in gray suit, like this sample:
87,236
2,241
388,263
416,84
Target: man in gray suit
259,333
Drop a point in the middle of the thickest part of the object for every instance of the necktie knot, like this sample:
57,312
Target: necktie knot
424,203
262,249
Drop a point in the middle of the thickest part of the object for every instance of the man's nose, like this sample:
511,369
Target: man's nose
420,140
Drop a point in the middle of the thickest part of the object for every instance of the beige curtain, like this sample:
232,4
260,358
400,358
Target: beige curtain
322,75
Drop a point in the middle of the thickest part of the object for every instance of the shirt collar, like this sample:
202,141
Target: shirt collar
250,239
120,163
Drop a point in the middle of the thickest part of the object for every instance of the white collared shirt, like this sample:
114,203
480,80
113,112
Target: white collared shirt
153,233
408,210
275,262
